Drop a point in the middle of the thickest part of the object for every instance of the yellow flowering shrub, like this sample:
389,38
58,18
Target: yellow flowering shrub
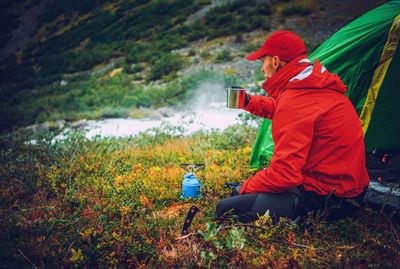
76,256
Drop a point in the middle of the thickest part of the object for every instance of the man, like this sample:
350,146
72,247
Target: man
318,163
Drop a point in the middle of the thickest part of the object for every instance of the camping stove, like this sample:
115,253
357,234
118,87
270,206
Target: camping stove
191,185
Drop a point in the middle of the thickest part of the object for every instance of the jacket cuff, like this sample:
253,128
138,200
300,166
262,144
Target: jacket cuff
244,186
247,102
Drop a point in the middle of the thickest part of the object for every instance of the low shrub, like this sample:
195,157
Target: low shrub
223,56
164,65
296,10
133,68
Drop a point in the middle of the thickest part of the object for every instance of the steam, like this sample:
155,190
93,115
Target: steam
207,110
209,95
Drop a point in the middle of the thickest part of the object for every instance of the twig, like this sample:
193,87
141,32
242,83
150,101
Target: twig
394,230
68,249
38,207
19,181
185,236
244,225
298,245
48,232
23,255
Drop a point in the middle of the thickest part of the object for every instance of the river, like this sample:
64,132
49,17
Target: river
218,117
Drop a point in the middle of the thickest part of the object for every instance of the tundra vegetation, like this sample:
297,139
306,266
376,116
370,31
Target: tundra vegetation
115,203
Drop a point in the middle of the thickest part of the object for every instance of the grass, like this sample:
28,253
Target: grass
115,203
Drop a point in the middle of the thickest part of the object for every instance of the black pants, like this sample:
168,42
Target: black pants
293,203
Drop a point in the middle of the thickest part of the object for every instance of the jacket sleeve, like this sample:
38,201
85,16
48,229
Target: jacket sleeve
261,106
293,139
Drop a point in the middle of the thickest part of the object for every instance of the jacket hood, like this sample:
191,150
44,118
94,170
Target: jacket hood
315,77
302,74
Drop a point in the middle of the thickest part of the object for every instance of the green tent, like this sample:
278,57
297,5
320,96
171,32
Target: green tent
366,55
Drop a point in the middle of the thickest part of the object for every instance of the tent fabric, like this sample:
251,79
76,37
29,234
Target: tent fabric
380,73
263,148
383,128
365,54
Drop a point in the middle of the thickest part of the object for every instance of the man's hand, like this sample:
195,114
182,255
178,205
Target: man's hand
243,103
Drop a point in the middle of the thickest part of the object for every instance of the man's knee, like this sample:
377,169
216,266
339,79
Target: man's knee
221,208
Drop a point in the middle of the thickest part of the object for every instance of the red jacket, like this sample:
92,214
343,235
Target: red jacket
318,137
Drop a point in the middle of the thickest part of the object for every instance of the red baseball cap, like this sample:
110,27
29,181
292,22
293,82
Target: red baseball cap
284,44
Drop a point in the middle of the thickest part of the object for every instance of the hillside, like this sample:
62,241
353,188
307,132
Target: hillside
92,59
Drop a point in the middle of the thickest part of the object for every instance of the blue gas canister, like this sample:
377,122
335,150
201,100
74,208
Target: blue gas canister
191,185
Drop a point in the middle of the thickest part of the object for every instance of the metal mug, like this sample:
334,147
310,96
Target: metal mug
235,97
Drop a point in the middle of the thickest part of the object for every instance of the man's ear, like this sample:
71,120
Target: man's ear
276,62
